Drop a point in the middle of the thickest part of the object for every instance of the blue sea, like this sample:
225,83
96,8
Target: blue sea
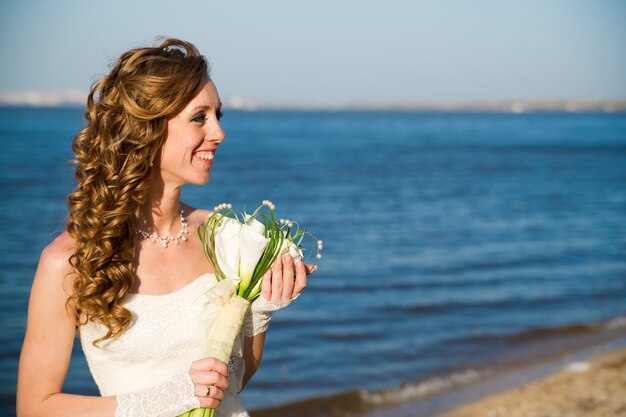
454,242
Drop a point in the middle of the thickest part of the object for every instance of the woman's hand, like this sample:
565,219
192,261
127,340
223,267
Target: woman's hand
209,376
285,280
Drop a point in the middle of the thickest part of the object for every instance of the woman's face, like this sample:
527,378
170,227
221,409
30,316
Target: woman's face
192,139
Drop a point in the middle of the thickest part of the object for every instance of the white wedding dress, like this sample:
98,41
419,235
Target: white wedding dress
167,332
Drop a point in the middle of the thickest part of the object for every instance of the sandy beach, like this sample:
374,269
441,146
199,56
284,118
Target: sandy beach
590,388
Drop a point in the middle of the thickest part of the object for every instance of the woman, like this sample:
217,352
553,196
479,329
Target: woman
128,273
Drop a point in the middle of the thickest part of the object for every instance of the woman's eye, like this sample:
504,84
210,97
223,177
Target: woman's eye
199,118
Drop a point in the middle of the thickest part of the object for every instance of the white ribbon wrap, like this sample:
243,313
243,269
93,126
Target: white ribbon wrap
221,293
228,322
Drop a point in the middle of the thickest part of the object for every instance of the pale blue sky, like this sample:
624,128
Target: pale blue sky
335,52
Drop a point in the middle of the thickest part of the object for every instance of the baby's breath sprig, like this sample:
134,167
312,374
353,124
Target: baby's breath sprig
222,206
320,246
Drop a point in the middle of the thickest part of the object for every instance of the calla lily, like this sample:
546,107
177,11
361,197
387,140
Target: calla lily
251,247
227,248
238,248
256,225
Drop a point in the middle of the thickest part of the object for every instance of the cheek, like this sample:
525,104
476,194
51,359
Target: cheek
171,156
179,147
169,152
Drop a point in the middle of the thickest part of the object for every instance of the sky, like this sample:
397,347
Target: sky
287,52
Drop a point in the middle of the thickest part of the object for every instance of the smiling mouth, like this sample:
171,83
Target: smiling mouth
206,156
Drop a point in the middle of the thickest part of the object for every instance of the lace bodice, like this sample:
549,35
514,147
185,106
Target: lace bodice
167,332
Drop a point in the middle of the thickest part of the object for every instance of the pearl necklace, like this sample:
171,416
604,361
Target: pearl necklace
165,240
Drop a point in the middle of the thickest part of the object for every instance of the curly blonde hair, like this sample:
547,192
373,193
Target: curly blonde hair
127,114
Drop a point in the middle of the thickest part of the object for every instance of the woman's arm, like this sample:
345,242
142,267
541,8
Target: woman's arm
252,355
48,344
281,284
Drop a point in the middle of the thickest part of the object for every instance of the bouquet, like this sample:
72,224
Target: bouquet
241,248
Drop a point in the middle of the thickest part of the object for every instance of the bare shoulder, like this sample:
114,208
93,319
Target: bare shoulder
52,283
195,216
55,258
59,250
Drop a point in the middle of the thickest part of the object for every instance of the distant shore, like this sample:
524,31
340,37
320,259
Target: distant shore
78,99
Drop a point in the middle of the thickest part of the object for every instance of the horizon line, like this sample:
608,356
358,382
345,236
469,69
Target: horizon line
75,98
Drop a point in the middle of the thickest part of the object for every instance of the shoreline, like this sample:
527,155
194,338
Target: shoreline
440,394
592,385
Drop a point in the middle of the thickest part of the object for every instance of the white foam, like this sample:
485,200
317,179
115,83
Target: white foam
414,391
617,323
578,367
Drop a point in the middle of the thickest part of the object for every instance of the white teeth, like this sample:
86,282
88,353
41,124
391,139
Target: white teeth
205,155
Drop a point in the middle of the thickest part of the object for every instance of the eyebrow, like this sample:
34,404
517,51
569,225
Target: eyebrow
195,109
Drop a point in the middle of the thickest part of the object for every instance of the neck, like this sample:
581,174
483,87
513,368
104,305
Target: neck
161,212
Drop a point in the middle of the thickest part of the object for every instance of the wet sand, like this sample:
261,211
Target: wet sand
595,387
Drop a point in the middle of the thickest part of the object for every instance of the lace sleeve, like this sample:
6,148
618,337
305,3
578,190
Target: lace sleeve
169,399
258,317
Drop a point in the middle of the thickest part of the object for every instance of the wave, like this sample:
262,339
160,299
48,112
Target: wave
464,275
361,400
442,307
501,304
542,333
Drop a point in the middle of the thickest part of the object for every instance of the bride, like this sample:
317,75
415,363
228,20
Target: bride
130,272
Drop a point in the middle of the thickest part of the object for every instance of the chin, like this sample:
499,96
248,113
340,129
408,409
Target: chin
201,181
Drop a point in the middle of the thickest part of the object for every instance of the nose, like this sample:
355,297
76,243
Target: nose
215,133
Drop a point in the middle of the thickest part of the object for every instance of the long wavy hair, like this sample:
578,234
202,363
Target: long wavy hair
127,114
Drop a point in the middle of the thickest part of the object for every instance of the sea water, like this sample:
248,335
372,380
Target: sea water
450,238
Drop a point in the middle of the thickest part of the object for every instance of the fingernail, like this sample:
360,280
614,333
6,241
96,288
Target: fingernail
286,258
299,262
